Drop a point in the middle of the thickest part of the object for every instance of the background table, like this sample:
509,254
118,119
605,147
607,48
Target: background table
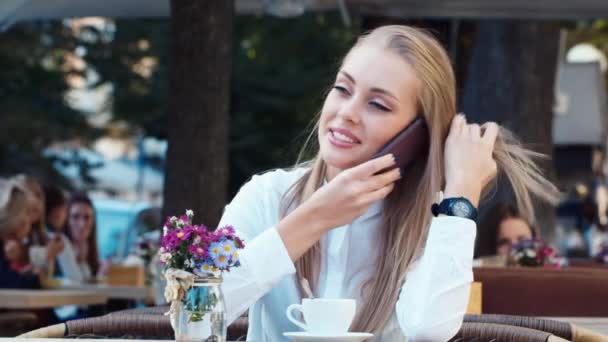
42,299
114,292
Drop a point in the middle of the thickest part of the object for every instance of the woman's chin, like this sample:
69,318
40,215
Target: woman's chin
340,162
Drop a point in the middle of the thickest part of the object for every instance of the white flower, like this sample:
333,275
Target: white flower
172,292
189,213
165,230
165,257
197,240
173,219
180,224
530,253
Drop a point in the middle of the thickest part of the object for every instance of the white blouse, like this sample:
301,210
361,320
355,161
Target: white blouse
433,299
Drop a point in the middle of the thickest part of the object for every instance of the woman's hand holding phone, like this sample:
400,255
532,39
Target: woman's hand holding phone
339,202
352,191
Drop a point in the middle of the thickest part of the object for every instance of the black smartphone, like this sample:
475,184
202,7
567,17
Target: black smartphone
408,144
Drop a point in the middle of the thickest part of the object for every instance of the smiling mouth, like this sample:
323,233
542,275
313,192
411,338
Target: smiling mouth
343,138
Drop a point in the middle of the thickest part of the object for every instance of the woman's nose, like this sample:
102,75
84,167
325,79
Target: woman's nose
350,110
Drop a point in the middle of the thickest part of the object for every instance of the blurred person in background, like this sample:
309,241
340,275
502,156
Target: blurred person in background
14,226
41,251
56,208
502,227
81,229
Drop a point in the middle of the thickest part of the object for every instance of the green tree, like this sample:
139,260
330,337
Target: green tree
33,108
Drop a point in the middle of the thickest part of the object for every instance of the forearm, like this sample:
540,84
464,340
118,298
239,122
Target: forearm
300,231
461,189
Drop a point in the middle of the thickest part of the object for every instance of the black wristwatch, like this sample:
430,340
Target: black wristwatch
455,206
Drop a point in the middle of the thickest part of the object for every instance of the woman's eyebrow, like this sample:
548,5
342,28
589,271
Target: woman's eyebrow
375,89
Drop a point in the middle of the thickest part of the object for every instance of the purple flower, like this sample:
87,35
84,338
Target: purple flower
198,251
170,241
185,233
226,231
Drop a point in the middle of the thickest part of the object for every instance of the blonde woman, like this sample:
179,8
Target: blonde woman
14,226
352,225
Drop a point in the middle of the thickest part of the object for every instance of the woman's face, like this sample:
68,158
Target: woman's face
57,216
80,221
36,203
373,98
510,231
24,225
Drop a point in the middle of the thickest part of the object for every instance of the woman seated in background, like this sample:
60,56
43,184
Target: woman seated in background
82,231
14,227
39,250
502,227
56,208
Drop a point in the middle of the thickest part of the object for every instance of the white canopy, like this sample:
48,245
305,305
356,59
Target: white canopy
12,11
16,10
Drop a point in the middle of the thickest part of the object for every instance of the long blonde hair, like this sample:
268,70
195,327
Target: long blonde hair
406,211
13,205
38,235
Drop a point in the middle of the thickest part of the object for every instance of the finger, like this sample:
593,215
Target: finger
457,123
490,133
379,194
474,131
383,179
370,167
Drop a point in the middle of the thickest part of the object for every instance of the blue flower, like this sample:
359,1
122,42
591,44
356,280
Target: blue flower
228,248
222,261
215,249
205,269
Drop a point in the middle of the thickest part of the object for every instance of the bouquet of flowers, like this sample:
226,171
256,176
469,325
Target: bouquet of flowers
602,256
188,251
534,253
146,249
195,249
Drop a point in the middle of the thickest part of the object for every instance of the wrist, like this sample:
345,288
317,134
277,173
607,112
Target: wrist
468,191
308,215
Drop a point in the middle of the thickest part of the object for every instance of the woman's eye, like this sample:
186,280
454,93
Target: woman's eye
341,89
380,106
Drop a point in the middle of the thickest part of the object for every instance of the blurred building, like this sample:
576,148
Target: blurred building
580,124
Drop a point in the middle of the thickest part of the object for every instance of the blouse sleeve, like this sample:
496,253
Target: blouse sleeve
435,295
264,260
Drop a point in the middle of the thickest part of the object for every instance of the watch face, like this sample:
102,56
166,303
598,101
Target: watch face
461,209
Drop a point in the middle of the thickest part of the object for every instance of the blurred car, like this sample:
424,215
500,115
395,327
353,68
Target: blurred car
120,224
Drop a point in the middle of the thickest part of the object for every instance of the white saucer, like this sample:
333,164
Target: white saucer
303,336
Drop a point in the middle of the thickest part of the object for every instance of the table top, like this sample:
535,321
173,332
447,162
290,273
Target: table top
114,291
86,294
40,299
7,339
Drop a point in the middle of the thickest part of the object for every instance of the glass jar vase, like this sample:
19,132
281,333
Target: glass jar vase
202,316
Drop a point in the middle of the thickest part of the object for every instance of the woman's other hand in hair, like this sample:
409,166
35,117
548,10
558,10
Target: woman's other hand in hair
469,165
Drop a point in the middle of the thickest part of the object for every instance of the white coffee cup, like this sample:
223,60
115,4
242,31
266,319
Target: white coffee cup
325,316
38,256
